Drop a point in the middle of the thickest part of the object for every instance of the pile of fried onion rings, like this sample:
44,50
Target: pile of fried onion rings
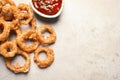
12,17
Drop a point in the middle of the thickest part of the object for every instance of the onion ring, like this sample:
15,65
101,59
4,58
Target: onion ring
7,12
5,33
9,15
50,39
48,61
25,14
18,68
31,35
8,49
6,3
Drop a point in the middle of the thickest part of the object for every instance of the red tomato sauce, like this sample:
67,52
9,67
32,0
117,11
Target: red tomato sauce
48,7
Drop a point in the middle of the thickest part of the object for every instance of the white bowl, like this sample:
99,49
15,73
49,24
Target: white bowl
44,15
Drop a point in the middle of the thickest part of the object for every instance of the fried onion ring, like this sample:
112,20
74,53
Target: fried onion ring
50,39
8,49
18,68
31,35
5,32
25,14
6,3
7,12
48,61
9,15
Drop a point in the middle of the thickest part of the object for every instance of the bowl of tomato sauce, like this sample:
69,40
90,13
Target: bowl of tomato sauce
47,8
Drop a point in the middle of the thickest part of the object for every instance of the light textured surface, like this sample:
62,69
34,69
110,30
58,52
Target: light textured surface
87,46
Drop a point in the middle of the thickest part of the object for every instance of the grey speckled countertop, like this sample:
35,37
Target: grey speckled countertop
87,46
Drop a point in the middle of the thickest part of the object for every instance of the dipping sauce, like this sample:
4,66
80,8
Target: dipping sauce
48,7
